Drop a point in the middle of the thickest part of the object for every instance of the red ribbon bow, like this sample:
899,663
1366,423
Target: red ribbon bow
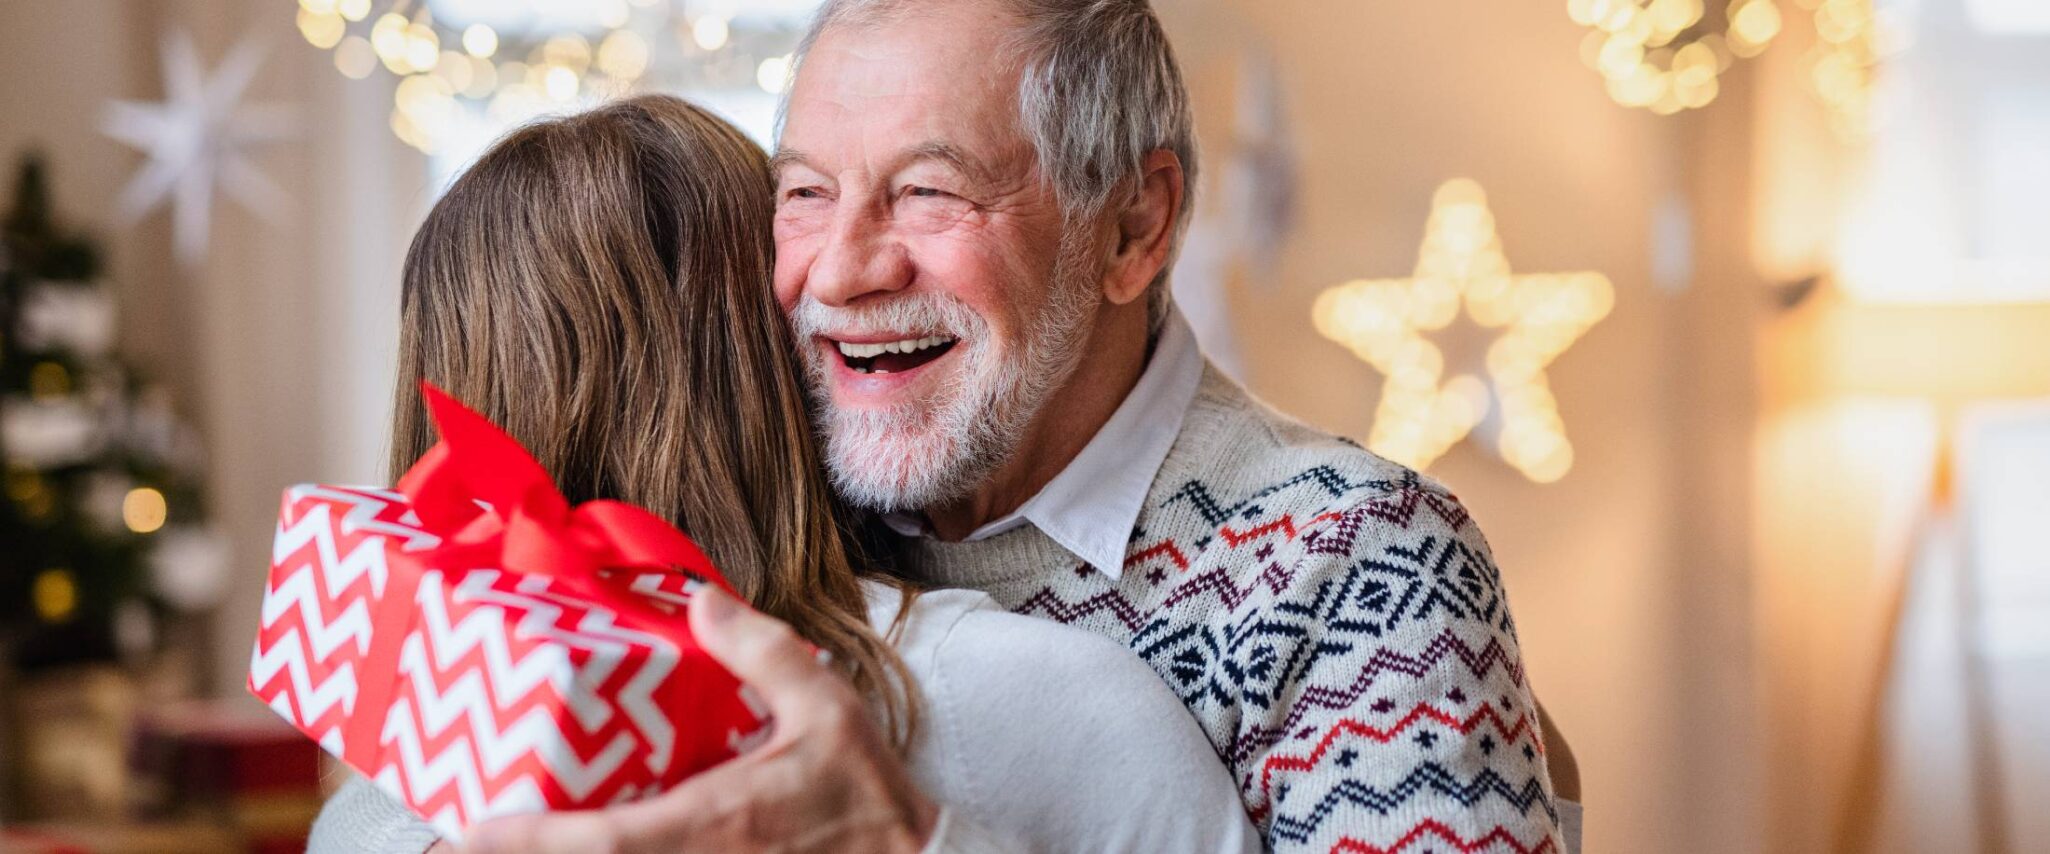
528,526
493,506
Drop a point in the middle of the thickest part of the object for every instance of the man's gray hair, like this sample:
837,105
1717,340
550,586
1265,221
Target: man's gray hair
1100,90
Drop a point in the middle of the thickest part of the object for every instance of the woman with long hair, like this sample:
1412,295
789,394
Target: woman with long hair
598,285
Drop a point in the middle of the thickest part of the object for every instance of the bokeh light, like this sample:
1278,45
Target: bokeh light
144,510
55,595
1461,265
1664,55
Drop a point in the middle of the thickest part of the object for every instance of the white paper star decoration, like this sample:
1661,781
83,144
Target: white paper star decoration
199,138
1386,323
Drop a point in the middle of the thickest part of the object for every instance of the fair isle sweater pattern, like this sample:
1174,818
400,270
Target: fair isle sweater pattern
1334,621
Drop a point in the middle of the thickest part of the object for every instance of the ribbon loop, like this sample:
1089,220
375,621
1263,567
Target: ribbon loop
483,493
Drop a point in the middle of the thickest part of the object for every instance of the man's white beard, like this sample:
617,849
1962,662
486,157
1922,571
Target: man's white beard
936,450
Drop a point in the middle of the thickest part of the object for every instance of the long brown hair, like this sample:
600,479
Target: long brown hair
598,285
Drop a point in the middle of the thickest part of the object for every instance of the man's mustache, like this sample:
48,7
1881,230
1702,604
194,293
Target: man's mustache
911,315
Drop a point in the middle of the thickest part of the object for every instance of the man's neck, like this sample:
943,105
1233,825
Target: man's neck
1066,422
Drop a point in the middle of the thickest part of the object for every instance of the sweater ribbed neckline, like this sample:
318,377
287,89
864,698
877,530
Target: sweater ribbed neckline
1219,420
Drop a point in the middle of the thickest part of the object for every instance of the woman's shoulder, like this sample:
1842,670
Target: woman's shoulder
973,638
1058,734
920,629
986,634
885,598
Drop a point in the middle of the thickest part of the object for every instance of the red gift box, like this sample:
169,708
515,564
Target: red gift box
477,647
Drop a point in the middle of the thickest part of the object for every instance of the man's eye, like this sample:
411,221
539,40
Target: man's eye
924,193
805,193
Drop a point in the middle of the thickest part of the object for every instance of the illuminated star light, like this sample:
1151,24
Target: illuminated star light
1422,414
199,138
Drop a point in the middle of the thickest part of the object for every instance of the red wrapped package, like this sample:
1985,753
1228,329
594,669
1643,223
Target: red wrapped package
477,647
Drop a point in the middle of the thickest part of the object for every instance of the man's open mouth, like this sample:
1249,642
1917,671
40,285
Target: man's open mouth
890,357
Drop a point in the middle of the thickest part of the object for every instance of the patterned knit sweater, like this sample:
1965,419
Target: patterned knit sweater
1335,623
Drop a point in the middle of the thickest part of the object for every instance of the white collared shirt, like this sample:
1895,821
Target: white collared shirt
1091,506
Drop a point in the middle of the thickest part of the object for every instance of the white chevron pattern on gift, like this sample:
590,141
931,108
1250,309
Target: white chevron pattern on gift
418,778
637,698
671,592
299,593
596,632
472,699
510,693
367,508
297,603
449,696
655,586
287,655
316,527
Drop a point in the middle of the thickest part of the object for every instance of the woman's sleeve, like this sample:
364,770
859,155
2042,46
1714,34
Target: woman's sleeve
1073,743
361,819
958,834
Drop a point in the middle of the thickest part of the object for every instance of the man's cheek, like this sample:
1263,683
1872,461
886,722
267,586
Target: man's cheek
797,246
787,279
976,273
786,296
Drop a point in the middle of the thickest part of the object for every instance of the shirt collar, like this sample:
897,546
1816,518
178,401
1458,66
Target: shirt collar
1092,505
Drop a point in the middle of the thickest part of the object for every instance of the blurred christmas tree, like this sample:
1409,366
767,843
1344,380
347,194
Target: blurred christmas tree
100,510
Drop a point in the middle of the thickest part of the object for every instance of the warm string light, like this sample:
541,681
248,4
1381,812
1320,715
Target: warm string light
49,381
1385,322
1852,38
1659,54
514,77
55,595
31,496
144,510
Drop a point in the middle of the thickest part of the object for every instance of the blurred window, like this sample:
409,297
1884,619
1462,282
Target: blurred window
1955,205
727,79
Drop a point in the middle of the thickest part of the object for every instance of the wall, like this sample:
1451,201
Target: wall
58,68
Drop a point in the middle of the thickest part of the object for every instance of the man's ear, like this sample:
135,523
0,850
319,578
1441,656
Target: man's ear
1145,228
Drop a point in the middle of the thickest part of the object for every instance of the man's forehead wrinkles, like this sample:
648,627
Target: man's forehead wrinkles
870,88
900,113
880,148
942,151
867,109
787,157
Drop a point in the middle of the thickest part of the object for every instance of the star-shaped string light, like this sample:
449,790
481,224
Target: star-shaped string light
1385,322
199,138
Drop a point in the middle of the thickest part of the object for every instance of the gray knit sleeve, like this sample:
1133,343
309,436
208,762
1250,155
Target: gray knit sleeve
361,819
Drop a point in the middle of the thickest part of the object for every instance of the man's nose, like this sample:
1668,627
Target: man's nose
860,258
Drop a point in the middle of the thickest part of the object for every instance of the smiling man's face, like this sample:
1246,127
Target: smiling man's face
920,256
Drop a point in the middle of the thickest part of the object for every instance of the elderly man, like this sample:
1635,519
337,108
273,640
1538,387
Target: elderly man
978,205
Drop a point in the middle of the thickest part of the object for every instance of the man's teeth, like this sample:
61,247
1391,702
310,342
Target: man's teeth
909,345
